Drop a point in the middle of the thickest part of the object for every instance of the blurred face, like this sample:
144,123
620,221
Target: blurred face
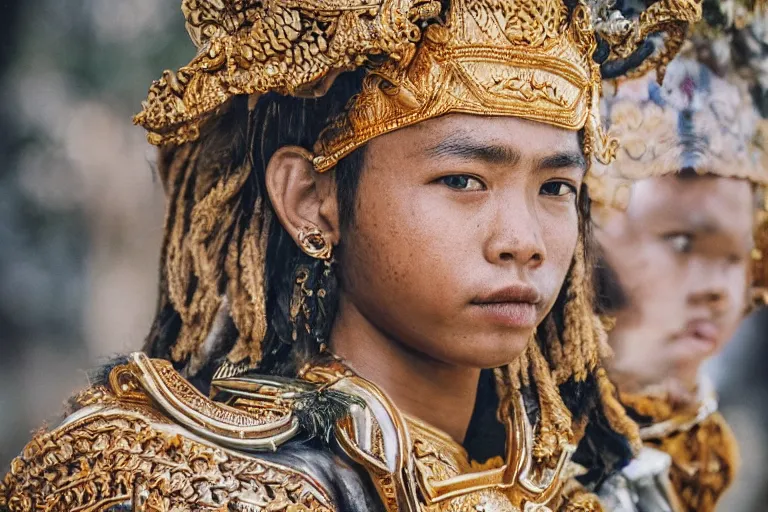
464,232
681,254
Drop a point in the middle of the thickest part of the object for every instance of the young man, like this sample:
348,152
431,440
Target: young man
684,263
378,275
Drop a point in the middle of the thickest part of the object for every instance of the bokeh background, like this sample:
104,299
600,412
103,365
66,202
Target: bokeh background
81,215
80,209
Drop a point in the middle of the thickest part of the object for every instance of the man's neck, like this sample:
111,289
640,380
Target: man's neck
680,388
437,393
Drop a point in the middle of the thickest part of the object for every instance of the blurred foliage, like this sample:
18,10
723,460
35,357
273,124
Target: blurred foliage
71,73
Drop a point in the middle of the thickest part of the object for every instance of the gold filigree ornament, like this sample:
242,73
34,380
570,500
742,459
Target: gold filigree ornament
418,468
149,442
522,58
313,242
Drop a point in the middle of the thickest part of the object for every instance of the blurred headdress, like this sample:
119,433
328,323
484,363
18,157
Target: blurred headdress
539,60
703,118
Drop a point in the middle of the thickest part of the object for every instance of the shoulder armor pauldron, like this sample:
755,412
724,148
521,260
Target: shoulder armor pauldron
149,441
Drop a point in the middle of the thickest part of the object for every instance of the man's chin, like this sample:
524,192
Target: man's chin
691,352
487,356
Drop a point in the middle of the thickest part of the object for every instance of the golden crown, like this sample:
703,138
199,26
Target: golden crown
524,58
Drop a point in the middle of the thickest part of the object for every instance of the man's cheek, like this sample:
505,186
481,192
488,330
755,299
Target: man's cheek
561,257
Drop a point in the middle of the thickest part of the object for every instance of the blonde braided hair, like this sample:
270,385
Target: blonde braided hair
215,286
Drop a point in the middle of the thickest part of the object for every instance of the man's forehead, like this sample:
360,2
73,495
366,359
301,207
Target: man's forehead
498,131
706,204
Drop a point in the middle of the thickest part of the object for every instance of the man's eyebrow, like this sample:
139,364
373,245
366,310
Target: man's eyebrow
700,225
563,160
705,227
703,223
460,145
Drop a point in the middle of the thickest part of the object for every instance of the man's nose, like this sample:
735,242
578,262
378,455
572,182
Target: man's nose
517,236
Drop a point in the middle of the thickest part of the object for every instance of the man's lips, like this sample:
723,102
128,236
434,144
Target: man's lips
513,306
703,333
517,293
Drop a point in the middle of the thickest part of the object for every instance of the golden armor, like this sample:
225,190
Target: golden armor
149,440
703,451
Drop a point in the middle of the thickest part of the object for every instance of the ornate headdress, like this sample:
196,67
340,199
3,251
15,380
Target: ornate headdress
694,120
523,58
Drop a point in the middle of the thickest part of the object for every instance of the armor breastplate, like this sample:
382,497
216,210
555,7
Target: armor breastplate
148,441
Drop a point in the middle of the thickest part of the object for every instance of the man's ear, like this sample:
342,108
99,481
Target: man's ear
301,197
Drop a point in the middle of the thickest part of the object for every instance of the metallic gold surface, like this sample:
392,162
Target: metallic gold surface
484,61
702,447
416,467
122,450
525,58
148,441
236,427
312,241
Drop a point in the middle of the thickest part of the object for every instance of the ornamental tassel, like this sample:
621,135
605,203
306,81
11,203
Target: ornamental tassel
245,266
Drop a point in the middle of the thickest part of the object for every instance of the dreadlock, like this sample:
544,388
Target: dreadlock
226,261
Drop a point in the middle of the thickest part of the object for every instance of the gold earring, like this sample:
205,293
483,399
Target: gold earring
312,241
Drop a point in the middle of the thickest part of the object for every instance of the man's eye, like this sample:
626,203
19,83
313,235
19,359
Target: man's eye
557,188
462,182
681,243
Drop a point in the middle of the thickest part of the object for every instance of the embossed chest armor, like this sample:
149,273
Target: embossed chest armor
147,440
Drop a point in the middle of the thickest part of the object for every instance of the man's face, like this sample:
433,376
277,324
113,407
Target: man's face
681,255
464,231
